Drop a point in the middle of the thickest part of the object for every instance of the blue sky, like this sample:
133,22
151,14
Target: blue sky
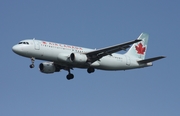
152,91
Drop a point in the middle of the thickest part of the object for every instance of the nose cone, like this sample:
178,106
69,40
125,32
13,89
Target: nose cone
16,49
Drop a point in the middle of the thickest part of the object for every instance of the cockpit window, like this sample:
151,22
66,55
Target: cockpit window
24,43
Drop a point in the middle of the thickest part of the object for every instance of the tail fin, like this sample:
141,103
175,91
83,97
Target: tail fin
138,50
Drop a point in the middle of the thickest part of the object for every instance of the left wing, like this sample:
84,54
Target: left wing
98,54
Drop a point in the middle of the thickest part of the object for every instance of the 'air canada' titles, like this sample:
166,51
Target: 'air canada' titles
62,45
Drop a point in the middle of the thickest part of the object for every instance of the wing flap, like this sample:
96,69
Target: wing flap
150,59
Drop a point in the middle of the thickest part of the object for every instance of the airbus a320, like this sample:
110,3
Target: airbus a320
66,57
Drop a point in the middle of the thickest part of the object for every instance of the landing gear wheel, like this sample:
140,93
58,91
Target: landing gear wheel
31,66
70,76
90,70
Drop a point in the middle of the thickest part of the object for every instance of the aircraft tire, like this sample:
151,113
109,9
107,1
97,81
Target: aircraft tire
90,70
31,66
70,76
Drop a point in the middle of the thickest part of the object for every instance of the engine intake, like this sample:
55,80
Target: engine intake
78,58
47,67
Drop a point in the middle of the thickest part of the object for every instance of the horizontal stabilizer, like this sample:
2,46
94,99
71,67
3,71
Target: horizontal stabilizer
150,59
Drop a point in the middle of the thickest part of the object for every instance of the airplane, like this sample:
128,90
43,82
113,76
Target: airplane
66,57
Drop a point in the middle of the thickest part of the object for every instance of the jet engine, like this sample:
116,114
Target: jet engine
47,67
78,58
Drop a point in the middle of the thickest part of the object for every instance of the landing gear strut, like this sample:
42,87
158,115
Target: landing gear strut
69,76
32,61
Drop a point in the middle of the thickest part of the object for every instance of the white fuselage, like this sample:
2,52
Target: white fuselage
55,52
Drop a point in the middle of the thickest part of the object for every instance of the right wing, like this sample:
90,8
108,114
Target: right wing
98,54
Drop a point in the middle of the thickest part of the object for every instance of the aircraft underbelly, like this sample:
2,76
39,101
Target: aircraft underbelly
110,64
122,63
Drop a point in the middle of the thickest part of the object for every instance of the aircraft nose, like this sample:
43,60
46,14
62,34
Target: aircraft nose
16,49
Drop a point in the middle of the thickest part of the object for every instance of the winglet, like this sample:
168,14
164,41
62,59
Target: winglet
150,59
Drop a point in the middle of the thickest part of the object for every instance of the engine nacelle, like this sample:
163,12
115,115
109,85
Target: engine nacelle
47,67
78,58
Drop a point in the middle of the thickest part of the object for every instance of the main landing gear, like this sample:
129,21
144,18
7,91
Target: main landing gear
32,61
90,70
70,75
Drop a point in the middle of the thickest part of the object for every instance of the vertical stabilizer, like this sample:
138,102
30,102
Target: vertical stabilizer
138,50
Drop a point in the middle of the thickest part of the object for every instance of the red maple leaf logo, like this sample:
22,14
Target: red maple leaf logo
140,49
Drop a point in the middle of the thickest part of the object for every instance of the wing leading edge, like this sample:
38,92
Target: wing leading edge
97,54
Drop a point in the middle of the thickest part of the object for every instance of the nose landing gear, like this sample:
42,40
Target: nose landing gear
32,61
